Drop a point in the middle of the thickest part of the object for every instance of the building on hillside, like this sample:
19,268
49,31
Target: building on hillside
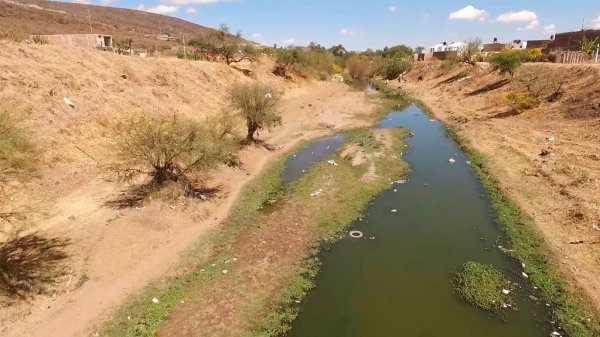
541,44
438,47
165,37
571,40
456,46
493,47
100,41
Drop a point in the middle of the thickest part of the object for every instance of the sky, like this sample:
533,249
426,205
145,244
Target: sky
362,24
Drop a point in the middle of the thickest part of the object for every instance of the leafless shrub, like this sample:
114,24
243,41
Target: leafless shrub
257,104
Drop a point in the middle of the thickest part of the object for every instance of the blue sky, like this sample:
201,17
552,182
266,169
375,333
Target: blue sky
362,24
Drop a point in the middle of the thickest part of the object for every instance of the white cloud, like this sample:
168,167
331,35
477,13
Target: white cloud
140,7
549,29
162,9
191,2
83,2
468,13
190,11
522,16
344,31
288,42
105,2
596,23
256,36
393,9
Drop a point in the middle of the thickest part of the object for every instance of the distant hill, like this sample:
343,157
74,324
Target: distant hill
49,17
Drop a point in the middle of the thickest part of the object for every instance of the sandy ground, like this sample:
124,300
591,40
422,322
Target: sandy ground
115,253
560,192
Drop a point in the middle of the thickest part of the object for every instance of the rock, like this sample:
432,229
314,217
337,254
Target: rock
544,152
172,206
68,102
124,76
595,227
155,300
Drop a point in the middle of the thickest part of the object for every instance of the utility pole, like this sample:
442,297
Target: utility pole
597,51
183,34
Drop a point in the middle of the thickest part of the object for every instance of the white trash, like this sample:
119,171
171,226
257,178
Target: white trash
505,291
451,160
394,210
525,275
332,162
356,234
68,102
155,300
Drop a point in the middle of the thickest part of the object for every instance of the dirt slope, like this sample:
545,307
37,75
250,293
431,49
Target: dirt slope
52,17
115,252
559,191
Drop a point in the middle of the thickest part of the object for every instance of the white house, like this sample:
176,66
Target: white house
456,46
438,47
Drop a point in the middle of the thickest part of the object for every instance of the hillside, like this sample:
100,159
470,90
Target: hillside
50,17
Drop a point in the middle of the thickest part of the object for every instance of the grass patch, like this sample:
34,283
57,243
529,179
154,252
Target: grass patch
569,309
482,285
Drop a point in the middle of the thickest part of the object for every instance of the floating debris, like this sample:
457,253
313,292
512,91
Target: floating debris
356,234
451,160
525,275
394,210
332,162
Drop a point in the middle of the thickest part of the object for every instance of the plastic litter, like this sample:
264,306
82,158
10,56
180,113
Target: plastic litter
332,162
155,300
356,234
451,160
68,102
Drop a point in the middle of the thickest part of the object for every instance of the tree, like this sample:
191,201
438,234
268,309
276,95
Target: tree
588,45
358,66
167,148
338,50
419,50
505,61
391,67
399,50
467,55
230,46
257,104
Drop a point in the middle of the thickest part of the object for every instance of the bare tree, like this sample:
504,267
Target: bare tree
467,55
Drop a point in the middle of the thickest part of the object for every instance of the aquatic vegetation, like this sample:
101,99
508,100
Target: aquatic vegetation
483,286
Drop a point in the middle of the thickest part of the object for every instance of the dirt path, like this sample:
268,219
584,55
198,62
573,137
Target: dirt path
560,192
115,253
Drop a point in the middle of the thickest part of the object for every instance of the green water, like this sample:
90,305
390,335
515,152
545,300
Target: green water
399,283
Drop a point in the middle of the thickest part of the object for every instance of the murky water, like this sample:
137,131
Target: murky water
399,283
305,159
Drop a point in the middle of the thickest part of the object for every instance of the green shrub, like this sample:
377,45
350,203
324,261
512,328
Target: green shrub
257,104
312,63
521,101
506,61
391,67
482,285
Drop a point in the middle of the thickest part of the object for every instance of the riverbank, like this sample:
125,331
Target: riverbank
261,265
113,252
503,151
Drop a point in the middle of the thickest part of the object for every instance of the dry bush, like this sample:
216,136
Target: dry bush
257,104
38,39
18,159
169,149
541,82
471,50
358,66
12,35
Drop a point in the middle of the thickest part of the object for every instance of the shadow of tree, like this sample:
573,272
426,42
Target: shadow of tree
30,265
135,196
490,87
505,114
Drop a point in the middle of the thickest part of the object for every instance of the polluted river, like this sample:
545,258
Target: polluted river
397,278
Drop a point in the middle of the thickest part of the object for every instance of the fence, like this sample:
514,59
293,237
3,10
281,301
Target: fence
570,57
